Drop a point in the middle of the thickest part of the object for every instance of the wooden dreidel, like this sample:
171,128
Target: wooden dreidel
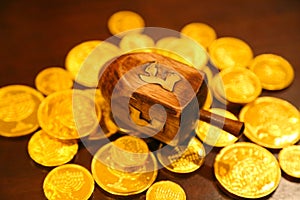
157,96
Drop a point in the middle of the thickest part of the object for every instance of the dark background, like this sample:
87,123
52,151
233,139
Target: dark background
36,34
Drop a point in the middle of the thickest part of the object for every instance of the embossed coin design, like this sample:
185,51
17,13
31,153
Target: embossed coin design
274,72
18,110
69,181
230,52
182,159
124,175
164,190
271,122
247,170
289,158
68,114
215,136
124,21
53,79
49,151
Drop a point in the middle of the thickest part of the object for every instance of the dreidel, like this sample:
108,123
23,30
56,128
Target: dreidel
159,97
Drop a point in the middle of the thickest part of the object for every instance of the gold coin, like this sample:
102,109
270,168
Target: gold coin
202,33
53,79
289,160
247,170
165,190
240,85
182,159
217,88
69,181
18,110
123,21
271,122
121,180
68,114
215,136
274,72
135,41
230,52
49,151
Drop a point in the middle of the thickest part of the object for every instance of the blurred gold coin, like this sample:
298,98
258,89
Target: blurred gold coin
247,170
202,33
119,178
274,72
68,114
18,110
164,190
69,181
271,122
215,136
289,158
182,159
53,79
49,151
240,85
230,52
124,21
135,41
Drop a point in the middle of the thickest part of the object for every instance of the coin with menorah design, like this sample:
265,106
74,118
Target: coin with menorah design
165,190
70,181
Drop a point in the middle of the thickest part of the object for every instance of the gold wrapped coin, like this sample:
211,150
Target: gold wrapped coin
182,159
124,167
18,110
53,79
133,41
49,151
214,136
69,181
289,158
202,33
274,72
230,52
271,122
165,190
247,170
68,114
122,21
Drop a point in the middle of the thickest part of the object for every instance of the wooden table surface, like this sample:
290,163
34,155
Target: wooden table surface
38,34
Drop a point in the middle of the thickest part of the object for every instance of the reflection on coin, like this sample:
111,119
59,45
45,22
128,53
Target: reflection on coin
182,159
49,151
271,122
212,135
69,181
274,72
240,85
247,170
202,33
165,190
18,110
68,115
53,79
230,52
120,180
289,158
124,21
134,41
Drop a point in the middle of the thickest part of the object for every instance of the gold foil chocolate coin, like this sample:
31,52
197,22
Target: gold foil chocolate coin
69,181
274,72
49,151
289,160
165,190
53,79
18,110
247,170
271,122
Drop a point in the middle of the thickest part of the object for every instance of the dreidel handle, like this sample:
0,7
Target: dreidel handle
234,127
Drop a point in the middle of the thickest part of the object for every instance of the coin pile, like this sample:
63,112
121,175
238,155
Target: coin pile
126,166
